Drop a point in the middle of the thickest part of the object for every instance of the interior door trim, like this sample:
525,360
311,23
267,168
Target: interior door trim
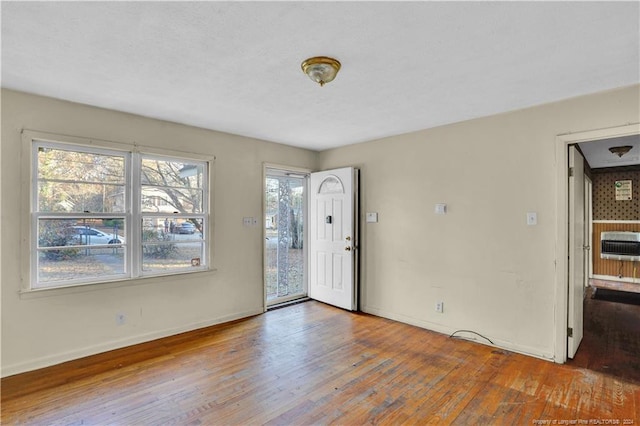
562,218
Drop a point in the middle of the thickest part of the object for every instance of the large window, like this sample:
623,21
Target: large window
102,215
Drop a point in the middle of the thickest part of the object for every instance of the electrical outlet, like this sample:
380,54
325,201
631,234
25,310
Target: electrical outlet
440,307
120,319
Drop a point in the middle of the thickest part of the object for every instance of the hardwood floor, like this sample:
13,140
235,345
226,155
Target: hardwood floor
314,364
611,342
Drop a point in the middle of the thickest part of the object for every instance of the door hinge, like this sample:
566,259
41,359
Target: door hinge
570,171
569,332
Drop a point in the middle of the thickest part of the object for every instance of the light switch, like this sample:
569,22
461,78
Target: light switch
372,217
532,218
441,208
247,221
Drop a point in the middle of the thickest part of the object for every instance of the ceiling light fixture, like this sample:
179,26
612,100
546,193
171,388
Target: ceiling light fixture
321,69
620,150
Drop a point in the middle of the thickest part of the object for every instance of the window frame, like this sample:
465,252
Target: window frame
36,215
138,210
133,212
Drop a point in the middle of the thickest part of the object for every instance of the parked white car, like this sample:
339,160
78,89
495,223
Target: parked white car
92,236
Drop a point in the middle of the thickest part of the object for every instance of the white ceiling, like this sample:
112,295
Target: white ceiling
235,66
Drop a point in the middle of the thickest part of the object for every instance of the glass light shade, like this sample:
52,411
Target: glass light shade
321,69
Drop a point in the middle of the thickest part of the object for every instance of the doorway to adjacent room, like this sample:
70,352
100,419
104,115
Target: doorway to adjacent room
587,159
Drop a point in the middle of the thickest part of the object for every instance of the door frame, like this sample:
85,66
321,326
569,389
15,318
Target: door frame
588,193
562,227
286,169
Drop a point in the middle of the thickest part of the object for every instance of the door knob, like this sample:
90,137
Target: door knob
348,238
347,248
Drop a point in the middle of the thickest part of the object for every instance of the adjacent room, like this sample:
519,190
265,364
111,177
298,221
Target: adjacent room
610,269
320,212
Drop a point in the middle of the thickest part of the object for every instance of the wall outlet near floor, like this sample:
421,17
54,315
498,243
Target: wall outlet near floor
120,319
440,307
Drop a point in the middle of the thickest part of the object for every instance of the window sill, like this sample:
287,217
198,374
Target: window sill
83,288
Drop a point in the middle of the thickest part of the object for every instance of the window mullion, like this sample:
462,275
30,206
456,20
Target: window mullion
35,209
135,214
207,206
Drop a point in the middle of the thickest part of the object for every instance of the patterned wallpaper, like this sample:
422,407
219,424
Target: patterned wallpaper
605,206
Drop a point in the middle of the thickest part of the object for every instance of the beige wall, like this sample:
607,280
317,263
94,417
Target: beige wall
495,275
60,325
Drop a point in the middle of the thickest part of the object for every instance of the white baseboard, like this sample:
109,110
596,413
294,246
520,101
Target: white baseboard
49,360
546,355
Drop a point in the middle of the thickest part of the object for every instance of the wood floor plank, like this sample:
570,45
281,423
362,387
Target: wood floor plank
314,364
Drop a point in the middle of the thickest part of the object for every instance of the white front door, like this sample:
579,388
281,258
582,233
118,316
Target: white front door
576,250
333,237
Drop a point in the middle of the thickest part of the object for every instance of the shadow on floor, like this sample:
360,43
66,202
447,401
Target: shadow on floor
615,296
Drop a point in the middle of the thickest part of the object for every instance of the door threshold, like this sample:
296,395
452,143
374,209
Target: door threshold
289,303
